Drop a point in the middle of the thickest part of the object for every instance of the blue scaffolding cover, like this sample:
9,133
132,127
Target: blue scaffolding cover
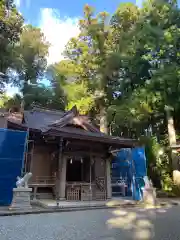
12,149
121,168
131,164
139,171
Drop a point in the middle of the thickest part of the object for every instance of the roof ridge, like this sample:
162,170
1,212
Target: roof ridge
46,110
87,121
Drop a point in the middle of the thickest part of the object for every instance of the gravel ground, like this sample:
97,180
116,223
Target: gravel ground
111,224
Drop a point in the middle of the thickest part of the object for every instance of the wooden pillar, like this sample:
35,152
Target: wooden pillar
61,183
62,179
108,179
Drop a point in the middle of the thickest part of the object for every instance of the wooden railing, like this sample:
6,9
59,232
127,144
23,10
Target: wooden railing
85,191
100,183
44,180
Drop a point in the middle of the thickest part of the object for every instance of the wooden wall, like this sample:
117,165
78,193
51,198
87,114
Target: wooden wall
41,162
99,167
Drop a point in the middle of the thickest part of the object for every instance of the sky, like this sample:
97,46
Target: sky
58,20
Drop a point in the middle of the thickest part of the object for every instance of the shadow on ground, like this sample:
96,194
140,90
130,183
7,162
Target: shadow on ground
137,223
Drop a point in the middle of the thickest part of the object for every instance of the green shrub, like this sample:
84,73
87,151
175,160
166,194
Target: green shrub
158,163
176,190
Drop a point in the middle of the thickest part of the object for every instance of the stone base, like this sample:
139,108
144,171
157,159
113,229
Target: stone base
21,199
176,177
62,199
149,196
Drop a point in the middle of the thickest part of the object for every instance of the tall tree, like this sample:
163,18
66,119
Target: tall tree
90,53
68,91
129,66
40,95
31,53
153,44
156,38
10,28
95,28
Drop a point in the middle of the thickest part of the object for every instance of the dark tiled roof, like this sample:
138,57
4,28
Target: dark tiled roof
92,136
39,119
71,129
43,119
57,123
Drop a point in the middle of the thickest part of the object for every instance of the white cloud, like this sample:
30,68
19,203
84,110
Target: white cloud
139,3
57,31
19,2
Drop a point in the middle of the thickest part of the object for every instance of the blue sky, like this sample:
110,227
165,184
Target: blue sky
31,8
58,20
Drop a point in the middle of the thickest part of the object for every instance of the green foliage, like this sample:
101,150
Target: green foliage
159,165
72,91
122,69
149,69
4,100
129,64
31,54
176,190
38,95
77,94
13,102
10,28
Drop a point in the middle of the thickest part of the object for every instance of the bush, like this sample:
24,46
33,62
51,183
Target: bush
176,190
158,165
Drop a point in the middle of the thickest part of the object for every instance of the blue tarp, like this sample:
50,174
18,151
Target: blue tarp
139,171
131,164
12,149
121,169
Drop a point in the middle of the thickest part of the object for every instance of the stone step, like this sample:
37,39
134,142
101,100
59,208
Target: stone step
45,196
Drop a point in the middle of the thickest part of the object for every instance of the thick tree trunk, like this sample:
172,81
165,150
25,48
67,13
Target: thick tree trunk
103,120
172,142
171,129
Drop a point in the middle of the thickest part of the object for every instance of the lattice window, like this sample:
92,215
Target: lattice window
73,194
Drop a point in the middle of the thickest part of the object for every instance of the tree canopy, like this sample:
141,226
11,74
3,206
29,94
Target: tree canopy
123,69
11,23
128,65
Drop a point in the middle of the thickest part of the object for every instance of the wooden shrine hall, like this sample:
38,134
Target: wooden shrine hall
68,156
